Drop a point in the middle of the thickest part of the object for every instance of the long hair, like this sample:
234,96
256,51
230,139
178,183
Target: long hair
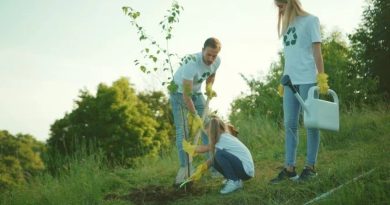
293,9
216,127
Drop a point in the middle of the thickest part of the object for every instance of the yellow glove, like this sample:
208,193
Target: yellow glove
322,83
280,90
199,171
210,93
196,122
190,149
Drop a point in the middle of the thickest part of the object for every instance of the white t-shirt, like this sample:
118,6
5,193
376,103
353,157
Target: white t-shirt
197,71
298,51
235,147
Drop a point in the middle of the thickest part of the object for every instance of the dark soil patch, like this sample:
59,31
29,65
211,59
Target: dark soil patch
156,194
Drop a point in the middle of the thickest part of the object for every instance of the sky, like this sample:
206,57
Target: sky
51,49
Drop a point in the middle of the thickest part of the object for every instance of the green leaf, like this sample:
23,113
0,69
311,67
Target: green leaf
172,87
142,68
125,10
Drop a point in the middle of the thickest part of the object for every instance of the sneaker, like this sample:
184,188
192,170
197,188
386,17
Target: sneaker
231,186
307,173
283,175
182,175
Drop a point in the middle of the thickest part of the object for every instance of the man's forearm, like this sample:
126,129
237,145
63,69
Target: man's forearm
189,103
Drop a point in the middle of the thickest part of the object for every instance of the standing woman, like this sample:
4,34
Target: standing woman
301,36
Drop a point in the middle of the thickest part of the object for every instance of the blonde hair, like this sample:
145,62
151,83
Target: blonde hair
293,9
216,127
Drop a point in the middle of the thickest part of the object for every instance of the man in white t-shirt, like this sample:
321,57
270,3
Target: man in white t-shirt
188,98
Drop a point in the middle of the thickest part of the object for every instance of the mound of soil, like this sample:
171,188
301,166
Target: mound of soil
156,194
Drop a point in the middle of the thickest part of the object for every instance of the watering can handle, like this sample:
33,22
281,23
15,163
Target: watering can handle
314,91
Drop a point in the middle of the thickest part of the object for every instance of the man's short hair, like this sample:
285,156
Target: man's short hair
212,43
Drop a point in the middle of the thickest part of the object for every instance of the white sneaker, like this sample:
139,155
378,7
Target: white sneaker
231,186
182,174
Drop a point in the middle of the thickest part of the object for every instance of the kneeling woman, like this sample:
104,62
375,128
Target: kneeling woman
231,157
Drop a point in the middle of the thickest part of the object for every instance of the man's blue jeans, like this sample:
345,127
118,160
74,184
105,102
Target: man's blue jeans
180,111
291,110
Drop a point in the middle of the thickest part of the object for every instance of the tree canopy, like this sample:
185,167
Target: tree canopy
114,121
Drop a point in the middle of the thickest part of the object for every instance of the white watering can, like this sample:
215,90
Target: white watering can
318,113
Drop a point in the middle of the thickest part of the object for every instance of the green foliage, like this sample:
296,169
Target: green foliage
11,173
20,158
161,111
157,58
114,121
84,181
371,43
263,99
353,86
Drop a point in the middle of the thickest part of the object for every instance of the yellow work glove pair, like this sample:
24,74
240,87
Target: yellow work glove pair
322,83
202,168
189,148
210,93
196,122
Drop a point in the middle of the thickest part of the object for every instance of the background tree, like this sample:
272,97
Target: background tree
371,44
161,111
114,121
352,84
20,158
263,99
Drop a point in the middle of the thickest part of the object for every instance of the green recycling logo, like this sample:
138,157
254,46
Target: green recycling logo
204,76
290,38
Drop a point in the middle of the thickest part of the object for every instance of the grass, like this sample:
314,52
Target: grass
362,144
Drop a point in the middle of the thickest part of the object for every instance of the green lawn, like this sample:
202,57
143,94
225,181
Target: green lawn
362,145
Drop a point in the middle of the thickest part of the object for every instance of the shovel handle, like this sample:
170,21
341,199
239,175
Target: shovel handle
205,111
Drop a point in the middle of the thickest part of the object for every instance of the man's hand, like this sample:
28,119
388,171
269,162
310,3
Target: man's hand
199,171
210,93
190,149
195,121
322,83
